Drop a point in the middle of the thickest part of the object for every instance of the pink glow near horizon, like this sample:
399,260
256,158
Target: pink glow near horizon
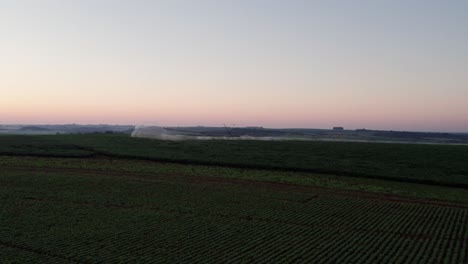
274,120
263,63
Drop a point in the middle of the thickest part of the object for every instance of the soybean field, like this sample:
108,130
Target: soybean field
66,202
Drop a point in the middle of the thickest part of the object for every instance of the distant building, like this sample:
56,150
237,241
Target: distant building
338,129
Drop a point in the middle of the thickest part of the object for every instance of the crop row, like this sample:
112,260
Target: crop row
307,233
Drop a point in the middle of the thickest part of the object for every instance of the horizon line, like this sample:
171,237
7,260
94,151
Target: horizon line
222,125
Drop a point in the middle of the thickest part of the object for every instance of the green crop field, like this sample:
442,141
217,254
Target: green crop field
116,199
429,164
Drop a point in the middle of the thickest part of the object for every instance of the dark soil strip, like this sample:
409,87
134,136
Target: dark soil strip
328,191
277,186
100,153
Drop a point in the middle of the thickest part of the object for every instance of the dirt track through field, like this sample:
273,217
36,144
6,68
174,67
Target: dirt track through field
247,183
166,211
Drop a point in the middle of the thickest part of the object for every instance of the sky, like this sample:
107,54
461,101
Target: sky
375,64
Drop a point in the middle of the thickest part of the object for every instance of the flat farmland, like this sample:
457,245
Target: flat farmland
438,165
102,209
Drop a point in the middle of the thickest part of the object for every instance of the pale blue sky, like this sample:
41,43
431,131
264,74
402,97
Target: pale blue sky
374,64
